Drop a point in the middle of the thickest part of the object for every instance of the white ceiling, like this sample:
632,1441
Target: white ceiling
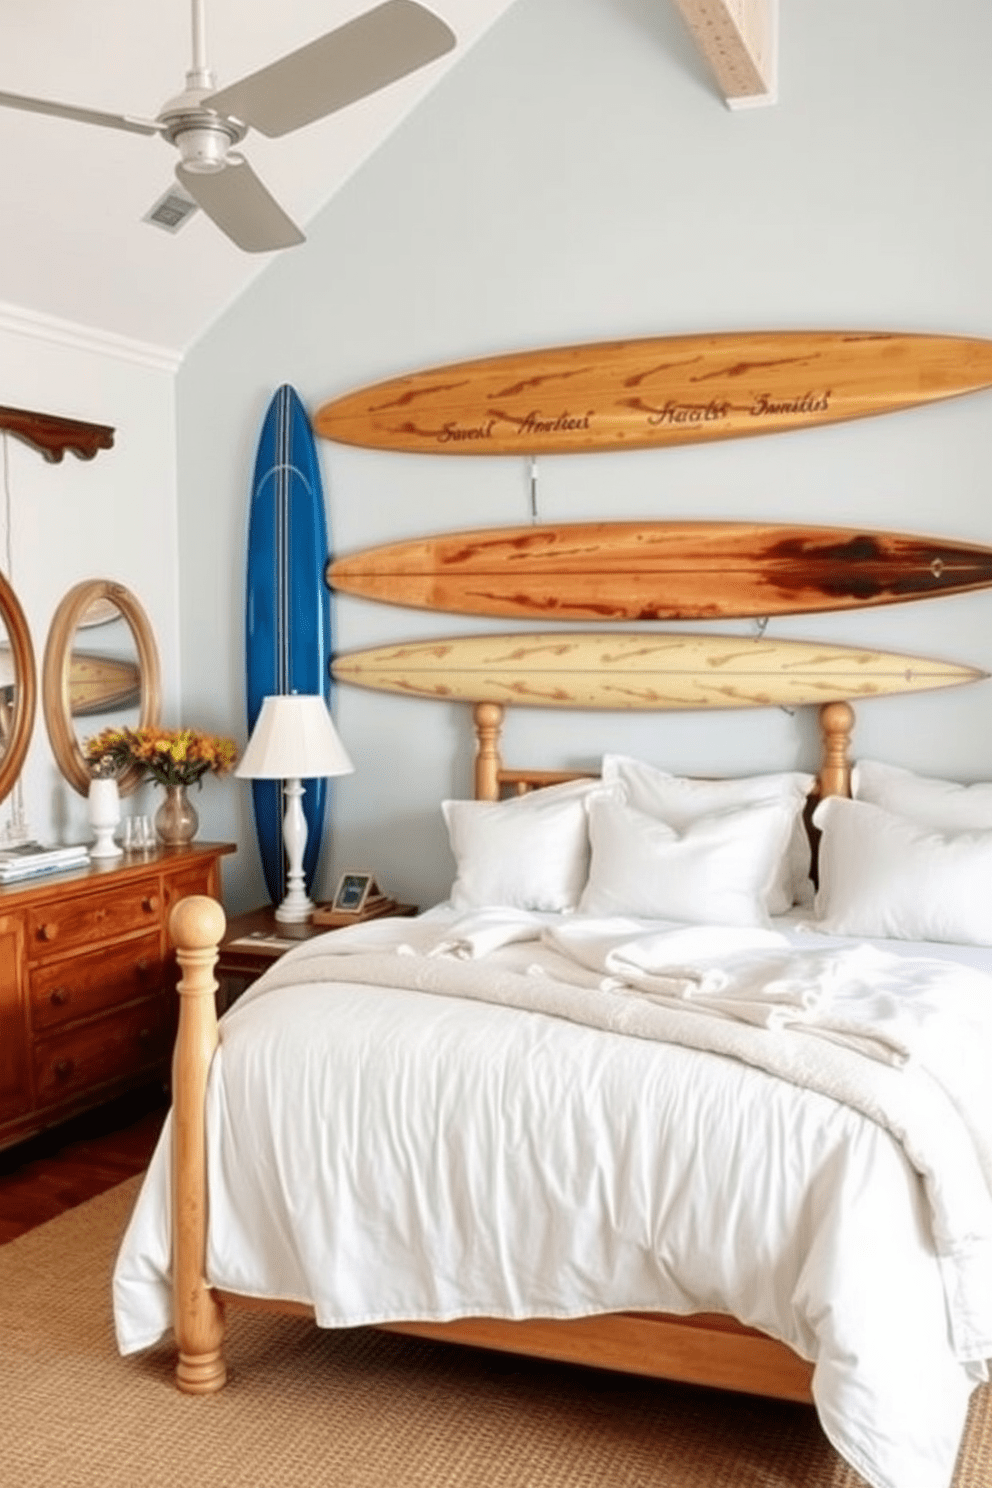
73,246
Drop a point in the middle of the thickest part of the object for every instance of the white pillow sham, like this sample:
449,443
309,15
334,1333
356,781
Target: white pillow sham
714,872
927,801
882,875
529,852
680,800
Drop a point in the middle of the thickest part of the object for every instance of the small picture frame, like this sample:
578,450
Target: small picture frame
353,892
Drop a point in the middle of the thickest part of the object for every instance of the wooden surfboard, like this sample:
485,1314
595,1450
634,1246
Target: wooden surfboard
102,684
288,619
660,390
659,570
655,671
97,684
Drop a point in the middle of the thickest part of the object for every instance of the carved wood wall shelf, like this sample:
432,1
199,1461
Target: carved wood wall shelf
51,435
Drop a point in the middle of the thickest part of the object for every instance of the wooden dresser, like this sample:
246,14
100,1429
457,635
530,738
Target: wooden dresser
87,982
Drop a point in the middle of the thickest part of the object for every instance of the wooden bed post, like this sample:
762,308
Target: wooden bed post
837,725
196,926
488,727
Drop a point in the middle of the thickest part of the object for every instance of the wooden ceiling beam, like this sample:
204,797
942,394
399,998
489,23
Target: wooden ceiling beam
739,39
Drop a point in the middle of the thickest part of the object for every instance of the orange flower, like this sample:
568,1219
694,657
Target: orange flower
168,756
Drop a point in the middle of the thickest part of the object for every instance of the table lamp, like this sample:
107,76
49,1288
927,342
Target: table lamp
294,740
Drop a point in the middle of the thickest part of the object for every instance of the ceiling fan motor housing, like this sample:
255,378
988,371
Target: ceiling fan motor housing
204,149
202,137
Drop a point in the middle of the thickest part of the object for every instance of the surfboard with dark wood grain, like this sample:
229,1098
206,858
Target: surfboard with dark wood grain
642,671
656,391
660,570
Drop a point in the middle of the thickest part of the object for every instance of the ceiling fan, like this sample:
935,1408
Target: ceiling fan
205,124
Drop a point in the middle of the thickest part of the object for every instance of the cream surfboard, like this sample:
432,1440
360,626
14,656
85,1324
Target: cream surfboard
659,570
646,671
102,684
660,390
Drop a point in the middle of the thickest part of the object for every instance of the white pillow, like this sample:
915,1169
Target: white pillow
530,852
714,872
679,800
882,875
926,801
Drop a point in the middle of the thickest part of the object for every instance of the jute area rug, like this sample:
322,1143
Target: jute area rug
305,1408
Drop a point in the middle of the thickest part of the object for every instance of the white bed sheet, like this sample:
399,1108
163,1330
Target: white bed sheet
431,1157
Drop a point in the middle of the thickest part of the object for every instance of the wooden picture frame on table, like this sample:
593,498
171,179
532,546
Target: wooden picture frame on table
354,892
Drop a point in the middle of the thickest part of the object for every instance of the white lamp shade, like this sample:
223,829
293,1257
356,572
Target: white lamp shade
294,738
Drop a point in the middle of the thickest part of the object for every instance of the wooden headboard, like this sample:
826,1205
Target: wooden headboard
493,779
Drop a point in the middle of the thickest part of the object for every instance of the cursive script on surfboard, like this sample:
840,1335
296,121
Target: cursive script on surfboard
656,391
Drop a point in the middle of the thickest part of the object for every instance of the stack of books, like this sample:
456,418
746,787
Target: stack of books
27,859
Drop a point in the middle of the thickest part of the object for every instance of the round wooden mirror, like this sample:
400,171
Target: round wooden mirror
108,681
18,690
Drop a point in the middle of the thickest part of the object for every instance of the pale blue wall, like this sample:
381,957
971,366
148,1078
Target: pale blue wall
112,517
578,178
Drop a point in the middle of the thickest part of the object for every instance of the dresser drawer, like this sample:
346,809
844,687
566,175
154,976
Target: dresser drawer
77,986
109,1048
15,1061
88,1007
63,924
199,878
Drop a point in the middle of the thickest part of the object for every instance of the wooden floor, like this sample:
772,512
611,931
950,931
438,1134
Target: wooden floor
62,1168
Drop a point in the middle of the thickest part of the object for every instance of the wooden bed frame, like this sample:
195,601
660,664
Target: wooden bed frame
701,1349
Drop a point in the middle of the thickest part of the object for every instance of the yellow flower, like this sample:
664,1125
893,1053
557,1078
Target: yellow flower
170,756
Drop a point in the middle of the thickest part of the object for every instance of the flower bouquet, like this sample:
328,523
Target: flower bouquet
174,758
169,756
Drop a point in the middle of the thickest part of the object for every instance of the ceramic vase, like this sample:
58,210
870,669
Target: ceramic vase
104,813
176,819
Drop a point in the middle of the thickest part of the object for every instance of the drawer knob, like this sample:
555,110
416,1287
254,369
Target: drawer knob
150,903
63,1068
48,930
60,996
144,1036
143,966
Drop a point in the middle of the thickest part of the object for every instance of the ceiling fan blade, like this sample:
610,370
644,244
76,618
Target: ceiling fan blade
356,59
235,199
79,115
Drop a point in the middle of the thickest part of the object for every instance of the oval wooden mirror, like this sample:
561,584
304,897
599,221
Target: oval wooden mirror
18,689
107,682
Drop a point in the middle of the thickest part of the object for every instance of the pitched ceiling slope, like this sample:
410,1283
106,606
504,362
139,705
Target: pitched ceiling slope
75,254
74,247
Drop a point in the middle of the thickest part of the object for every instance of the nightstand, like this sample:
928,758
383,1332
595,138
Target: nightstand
253,941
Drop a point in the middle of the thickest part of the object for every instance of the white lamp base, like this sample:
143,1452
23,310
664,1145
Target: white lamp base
295,907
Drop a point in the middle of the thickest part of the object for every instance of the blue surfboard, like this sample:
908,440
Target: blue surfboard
288,610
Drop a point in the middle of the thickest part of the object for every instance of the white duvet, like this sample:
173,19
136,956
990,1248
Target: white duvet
514,1115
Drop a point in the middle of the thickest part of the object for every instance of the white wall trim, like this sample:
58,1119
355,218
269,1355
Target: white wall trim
68,333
